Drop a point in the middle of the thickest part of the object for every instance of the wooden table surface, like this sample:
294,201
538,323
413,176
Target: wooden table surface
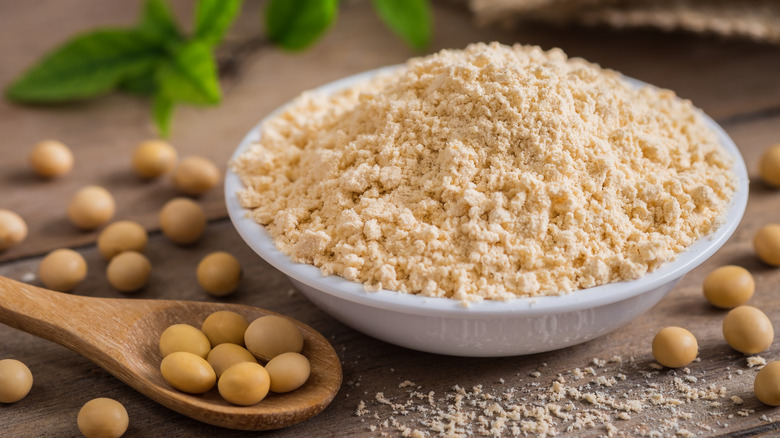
387,389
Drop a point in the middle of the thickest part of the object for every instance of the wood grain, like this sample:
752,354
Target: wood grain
733,81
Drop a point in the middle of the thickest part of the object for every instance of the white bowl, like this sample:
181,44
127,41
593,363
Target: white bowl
489,328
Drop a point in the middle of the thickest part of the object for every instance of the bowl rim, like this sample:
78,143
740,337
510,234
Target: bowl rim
258,239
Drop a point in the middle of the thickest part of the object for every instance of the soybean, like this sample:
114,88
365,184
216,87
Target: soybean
188,372
223,356
769,166
16,380
103,418
154,158
767,384
288,371
225,326
728,286
51,159
184,337
128,271
269,336
13,229
182,221
91,207
219,273
195,175
62,269
122,236
675,347
748,330
244,384
766,243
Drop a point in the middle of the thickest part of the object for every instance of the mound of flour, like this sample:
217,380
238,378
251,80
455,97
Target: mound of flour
487,173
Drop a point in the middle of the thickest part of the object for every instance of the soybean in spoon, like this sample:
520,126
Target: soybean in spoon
121,336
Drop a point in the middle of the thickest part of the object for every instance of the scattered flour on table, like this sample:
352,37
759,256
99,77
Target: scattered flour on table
487,173
756,361
601,402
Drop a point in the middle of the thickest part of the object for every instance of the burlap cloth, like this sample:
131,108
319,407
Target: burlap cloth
755,19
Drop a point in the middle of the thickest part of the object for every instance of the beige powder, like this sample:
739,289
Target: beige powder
654,403
487,173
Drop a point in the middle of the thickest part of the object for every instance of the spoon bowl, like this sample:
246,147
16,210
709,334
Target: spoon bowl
121,336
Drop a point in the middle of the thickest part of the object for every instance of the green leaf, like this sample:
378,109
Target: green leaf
158,22
213,18
88,65
162,109
296,24
142,83
190,76
409,19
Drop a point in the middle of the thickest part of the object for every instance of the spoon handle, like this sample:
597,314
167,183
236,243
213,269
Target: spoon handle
73,321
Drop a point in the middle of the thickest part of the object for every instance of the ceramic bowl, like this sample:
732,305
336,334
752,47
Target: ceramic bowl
490,328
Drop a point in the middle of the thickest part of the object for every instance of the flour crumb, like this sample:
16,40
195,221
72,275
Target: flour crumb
655,405
361,409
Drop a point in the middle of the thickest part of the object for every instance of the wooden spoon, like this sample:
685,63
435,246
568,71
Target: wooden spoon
121,336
